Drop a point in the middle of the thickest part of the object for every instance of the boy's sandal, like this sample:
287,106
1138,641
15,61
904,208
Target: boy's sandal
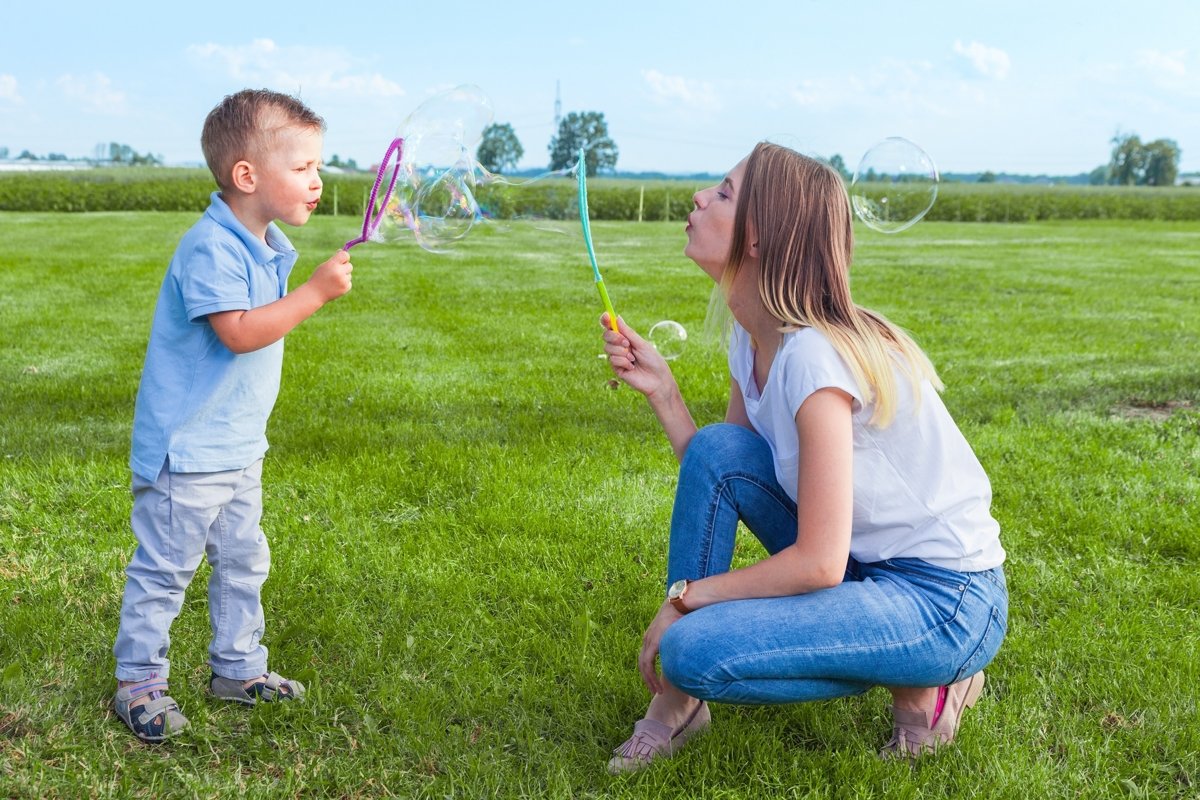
267,688
913,734
652,739
156,719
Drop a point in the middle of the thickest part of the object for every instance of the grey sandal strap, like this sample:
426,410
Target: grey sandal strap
153,708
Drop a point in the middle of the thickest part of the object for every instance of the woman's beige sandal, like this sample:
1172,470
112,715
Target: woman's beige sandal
268,688
652,739
154,720
914,733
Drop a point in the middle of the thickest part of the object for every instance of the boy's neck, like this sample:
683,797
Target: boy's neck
247,213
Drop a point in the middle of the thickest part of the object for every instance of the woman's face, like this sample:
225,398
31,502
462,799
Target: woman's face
710,225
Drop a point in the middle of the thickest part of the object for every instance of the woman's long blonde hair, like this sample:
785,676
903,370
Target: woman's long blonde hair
796,209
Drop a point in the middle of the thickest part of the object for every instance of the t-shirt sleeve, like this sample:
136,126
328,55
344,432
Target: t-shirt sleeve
811,363
214,277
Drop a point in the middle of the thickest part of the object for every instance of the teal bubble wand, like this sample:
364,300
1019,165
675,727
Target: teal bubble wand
581,168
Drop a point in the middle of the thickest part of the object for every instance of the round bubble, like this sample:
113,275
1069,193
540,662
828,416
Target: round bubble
669,338
894,186
435,188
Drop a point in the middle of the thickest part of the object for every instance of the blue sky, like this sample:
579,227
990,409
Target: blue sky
1016,86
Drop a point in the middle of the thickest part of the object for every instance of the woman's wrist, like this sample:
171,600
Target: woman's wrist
694,596
665,394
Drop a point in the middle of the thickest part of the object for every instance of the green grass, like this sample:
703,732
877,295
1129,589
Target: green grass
469,527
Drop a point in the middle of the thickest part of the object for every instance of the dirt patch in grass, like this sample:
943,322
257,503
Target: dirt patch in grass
1158,412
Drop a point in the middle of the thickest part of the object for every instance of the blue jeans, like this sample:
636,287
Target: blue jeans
901,622
178,519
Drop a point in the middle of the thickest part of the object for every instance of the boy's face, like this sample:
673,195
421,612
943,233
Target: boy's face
288,183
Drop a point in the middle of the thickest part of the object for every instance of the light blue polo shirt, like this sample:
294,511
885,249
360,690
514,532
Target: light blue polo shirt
201,407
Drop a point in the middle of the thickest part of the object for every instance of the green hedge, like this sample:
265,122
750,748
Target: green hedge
555,198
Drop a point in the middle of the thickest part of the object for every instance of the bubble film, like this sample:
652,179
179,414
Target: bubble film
894,186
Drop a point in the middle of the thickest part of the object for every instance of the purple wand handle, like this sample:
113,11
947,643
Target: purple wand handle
373,216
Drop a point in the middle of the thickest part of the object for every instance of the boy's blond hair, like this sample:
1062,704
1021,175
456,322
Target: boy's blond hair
242,127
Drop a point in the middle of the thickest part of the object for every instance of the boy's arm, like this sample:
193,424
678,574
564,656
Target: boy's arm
247,331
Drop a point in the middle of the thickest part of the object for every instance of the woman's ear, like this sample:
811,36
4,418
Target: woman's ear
753,248
243,177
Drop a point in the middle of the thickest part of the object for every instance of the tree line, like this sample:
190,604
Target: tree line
1133,162
110,153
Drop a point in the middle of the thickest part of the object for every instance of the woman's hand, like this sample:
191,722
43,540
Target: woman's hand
634,360
665,618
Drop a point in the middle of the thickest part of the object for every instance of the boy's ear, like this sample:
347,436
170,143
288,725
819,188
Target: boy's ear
243,177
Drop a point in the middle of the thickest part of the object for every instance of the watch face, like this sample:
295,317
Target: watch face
677,588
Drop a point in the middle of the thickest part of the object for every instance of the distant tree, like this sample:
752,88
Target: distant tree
837,163
500,149
1150,164
1127,159
3,152
585,129
26,156
1161,163
124,154
987,177
1099,176
336,161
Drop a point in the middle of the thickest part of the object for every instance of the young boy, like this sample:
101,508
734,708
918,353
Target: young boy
210,380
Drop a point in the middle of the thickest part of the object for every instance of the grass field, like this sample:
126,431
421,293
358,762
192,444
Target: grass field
469,526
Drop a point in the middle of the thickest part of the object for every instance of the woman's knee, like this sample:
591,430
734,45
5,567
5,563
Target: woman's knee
684,655
723,446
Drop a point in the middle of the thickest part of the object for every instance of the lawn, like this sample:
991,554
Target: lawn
469,525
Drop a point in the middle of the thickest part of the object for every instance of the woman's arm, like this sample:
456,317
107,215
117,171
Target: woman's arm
735,413
636,362
824,503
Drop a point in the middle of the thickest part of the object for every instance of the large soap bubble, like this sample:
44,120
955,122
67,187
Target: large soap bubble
894,186
437,173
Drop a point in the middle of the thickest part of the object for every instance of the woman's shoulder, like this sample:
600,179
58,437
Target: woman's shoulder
809,361
809,344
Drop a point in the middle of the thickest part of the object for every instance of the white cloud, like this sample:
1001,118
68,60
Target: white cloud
264,63
694,94
95,92
991,62
1164,64
8,90
889,83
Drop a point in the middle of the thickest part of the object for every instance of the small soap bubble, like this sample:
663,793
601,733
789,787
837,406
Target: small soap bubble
894,186
669,338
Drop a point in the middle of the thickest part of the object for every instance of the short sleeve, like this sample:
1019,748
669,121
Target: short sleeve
214,277
810,363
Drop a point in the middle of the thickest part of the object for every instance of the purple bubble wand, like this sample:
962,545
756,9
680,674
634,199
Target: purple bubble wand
372,216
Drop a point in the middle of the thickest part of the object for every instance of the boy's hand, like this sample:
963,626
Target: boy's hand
332,279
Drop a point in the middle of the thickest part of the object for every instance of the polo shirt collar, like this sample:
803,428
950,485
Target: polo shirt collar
263,252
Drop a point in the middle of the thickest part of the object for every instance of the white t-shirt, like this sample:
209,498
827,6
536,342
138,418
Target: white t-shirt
919,490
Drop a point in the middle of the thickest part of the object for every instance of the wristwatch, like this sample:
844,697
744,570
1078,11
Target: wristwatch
675,595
